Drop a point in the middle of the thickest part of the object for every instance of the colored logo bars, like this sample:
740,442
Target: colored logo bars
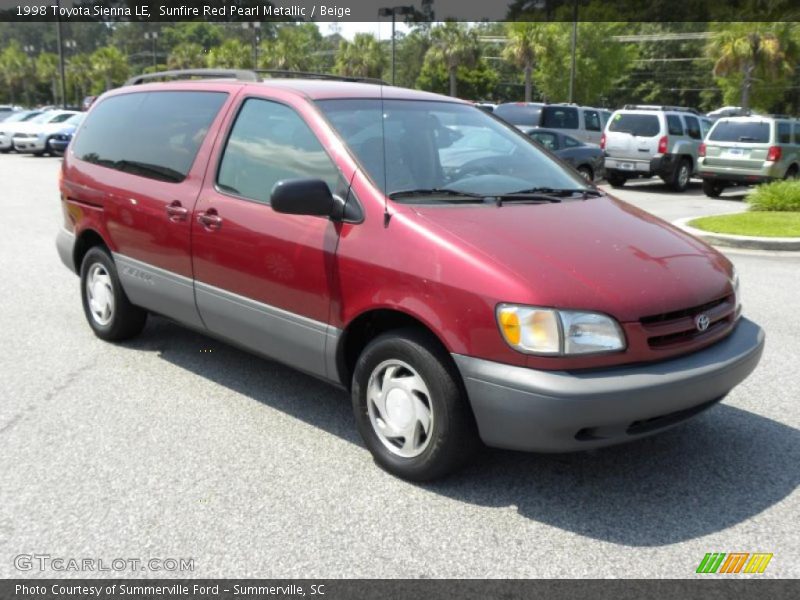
734,562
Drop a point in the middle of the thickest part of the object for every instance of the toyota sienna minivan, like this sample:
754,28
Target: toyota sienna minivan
462,283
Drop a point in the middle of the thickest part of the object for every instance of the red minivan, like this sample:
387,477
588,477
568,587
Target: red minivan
461,282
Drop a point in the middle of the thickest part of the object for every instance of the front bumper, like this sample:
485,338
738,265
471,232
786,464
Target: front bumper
561,411
29,145
6,143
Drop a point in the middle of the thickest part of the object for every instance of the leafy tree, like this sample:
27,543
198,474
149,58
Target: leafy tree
476,82
47,72
746,55
79,76
454,45
524,40
294,47
206,34
410,55
186,55
363,57
109,67
231,54
600,64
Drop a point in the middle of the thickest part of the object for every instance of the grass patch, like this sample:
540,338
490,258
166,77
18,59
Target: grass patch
775,196
759,224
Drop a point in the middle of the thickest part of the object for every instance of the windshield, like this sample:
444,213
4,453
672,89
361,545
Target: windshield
75,119
740,131
423,145
638,125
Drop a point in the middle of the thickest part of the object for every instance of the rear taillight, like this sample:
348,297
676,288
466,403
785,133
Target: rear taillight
662,144
774,153
603,142
701,151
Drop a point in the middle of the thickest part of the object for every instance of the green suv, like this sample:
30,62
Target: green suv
748,150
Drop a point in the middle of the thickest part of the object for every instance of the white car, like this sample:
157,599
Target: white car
33,136
9,125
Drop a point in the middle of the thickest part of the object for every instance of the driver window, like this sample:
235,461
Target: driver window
270,142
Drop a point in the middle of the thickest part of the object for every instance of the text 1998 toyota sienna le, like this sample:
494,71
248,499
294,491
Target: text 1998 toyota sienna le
461,282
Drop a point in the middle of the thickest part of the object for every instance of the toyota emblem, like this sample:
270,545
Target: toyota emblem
702,322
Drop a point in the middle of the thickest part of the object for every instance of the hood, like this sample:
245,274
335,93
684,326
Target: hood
598,254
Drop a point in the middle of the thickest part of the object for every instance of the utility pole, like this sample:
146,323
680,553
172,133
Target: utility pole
574,44
393,11
61,59
152,35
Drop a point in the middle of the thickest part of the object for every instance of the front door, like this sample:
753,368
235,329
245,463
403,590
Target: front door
263,279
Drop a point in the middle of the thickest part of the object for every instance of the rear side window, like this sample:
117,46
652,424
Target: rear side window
796,134
560,117
592,120
548,140
519,114
150,134
674,125
270,142
571,142
693,128
638,125
784,133
740,131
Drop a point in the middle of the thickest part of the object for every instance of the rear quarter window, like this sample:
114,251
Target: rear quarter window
674,125
638,125
150,134
560,117
740,131
784,133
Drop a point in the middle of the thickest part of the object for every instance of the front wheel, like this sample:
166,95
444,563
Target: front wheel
616,180
712,189
586,173
410,407
110,314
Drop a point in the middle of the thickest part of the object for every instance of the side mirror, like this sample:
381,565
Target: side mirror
303,197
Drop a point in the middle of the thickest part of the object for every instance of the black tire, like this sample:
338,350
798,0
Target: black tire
124,320
616,180
586,172
791,173
452,438
712,189
683,173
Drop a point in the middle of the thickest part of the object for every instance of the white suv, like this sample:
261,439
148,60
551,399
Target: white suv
647,141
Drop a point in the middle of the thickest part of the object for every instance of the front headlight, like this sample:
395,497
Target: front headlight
550,332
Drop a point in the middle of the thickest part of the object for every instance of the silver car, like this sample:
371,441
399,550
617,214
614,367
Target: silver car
749,150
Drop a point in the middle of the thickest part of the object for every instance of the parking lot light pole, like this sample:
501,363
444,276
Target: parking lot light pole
256,27
152,35
393,12
61,61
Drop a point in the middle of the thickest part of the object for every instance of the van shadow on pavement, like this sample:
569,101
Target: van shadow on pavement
716,471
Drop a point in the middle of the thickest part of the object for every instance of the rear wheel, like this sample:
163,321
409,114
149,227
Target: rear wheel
712,189
616,180
680,179
110,314
410,407
792,173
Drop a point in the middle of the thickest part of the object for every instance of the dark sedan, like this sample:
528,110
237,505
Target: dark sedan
587,159
59,141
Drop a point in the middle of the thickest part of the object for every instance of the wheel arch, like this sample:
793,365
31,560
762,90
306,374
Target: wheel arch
85,241
367,326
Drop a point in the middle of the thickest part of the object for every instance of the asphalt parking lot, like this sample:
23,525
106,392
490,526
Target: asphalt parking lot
176,445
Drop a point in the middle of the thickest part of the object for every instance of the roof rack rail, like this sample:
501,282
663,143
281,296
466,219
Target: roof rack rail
309,75
656,107
238,74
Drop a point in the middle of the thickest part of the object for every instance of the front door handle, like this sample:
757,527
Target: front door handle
176,212
210,219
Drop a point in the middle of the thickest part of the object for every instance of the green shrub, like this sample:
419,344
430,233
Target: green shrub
775,196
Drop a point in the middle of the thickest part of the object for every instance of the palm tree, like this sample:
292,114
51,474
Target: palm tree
79,75
293,49
363,57
186,55
454,44
109,65
15,68
232,54
522,46
749,49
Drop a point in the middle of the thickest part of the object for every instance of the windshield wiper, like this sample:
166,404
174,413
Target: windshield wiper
544,194
467,196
